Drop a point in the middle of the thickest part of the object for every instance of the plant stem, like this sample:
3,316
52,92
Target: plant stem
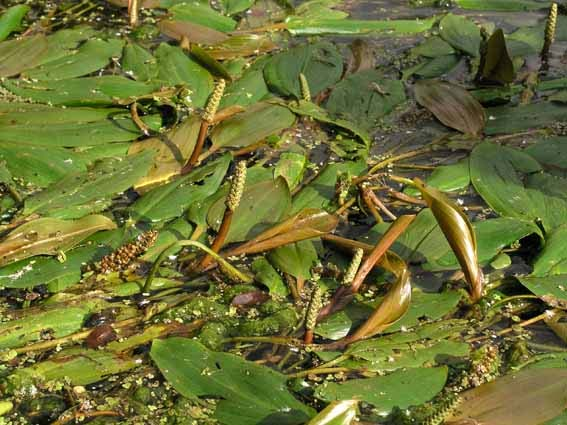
320,371
203,130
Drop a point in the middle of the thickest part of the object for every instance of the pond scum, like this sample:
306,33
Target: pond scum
256,212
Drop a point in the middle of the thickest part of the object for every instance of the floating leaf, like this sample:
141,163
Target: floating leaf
12,62
512,119
365,97
66,197
90,57
526,398
242,45
461,33
320,63
452,105
400,389
268,276
105,90
552,289
11,19
176,68
295,259
49,236
202,14
195,33
253,125
322,26
172,149
170,200
139,63
251,393
459,233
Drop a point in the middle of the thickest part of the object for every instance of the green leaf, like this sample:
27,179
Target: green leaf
268,276
496,63
320,192
49,236
320,63
90,57
104,90
551,287
232,7
61,43
176,68
250,394
29,163
314,111
262,204
170,200
295,259
322,26
433,47
551,153
249,89
461,33
552,260
400,389
253,125
447,178
107,178
59,322
291,167
50,271
70,127
502,5
13,62
139,63
11,19
498,173
365,97
202,14
513,119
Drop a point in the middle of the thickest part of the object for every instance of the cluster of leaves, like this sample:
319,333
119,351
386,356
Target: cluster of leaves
98,130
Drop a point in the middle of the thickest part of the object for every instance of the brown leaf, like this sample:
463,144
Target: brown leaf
496,64
459,233
530,397
195,33
452,105
49,236
307,224
394,305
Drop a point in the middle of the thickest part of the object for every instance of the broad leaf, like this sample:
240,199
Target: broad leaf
452,105
13,62
11,19
320,63
461,33
295,259
250,393
400,389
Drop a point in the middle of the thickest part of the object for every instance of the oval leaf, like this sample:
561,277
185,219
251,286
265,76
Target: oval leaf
452,105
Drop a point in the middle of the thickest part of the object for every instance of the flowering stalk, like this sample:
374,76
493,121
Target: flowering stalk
313,309
549,37
207,120
232,201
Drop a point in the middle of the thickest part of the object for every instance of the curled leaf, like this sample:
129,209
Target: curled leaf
395,303
341,412
452,105
307,224
459,233
49,236
529,397
496,64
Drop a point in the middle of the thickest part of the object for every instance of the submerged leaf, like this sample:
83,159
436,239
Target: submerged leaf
49,236
452,105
